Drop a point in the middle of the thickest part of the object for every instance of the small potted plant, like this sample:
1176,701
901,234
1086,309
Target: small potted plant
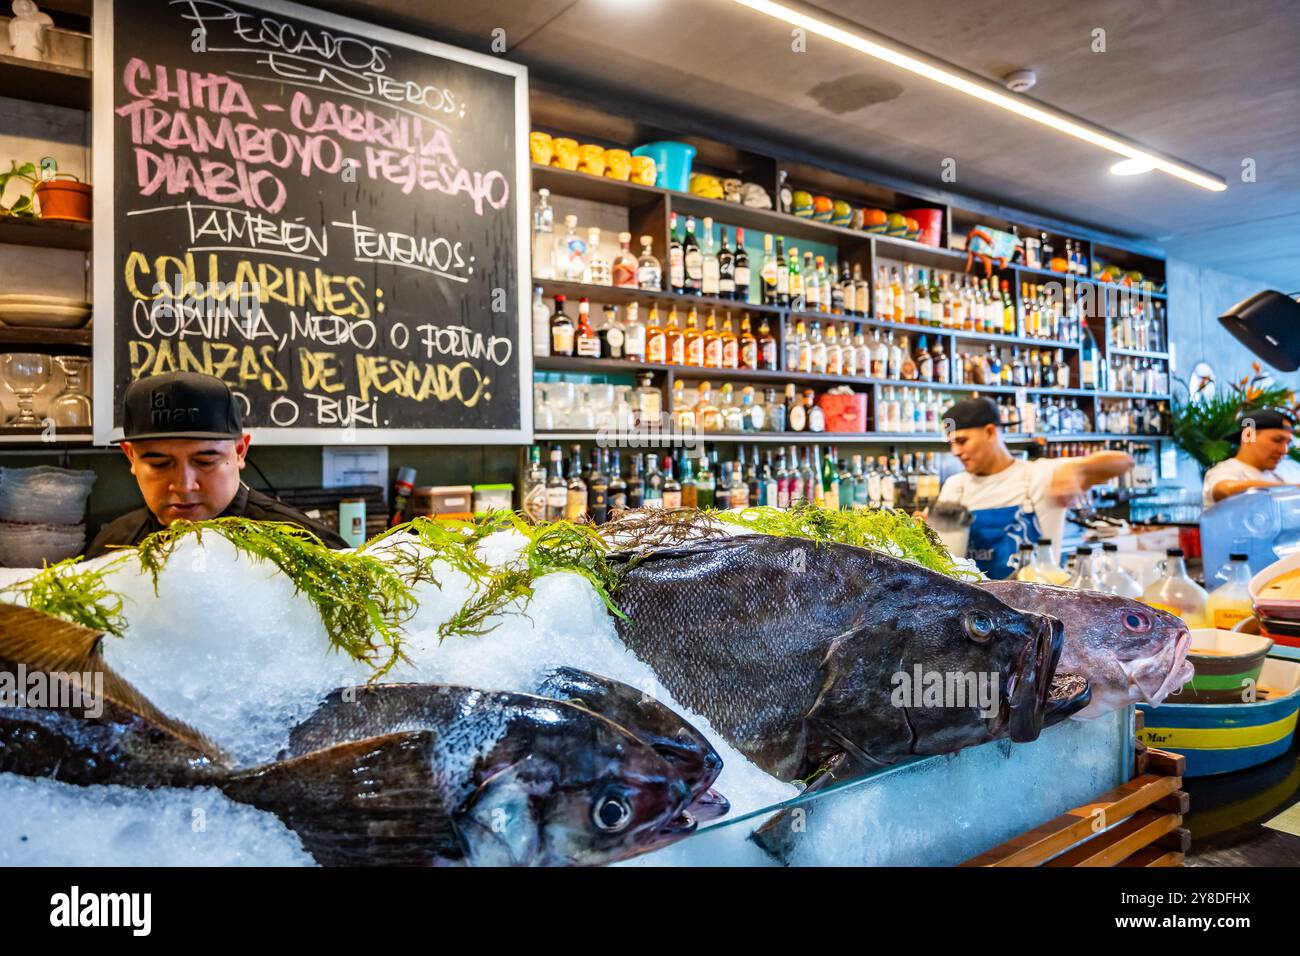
58,195
1205,427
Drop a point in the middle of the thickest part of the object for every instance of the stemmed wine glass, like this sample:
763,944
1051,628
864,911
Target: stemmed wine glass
25,374
71,407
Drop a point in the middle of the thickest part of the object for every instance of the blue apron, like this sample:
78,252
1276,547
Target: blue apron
996,535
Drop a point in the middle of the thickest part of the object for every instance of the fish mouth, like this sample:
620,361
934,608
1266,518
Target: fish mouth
1178,673
1030,683
1069,694
709,805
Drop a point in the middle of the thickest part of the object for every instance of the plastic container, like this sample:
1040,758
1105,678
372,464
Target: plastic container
493,498
44,494
931,223
672,161
1264,523
1230,601
1176,593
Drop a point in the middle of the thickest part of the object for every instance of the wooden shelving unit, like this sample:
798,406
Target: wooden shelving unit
48,83
46,233
650,209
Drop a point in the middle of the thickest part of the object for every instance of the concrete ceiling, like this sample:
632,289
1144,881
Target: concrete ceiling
1209,82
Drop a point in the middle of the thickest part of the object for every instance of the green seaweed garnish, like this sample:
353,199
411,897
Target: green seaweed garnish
888,530
73,592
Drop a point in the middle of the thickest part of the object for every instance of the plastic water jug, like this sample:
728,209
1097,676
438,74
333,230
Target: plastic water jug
1262,523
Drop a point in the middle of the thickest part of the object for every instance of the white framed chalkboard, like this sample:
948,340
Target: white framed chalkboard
330,216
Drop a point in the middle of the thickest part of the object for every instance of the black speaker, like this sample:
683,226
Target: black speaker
1268,323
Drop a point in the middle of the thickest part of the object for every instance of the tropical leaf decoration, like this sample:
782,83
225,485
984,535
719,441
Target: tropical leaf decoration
1205,427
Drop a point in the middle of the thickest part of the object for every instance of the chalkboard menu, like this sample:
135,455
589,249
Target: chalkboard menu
329,216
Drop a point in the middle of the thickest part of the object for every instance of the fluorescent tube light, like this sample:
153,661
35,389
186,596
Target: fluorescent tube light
881,47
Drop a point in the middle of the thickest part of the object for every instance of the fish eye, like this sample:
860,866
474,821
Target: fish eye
611,814
979,626
1138,621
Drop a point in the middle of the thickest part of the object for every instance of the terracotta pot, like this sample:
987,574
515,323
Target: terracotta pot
64,199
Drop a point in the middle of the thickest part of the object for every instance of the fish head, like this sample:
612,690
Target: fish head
1128,651
1149,644
954,668
687,750
996,665
587,794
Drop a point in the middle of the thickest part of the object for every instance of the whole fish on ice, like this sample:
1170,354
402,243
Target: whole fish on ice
1130,652
466,776
792,649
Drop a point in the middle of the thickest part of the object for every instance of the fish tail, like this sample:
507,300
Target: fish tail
371,802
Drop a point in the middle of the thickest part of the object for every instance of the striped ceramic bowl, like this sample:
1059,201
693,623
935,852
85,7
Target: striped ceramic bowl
1220,738
1227,666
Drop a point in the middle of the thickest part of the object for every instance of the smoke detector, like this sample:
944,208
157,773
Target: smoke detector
1021,81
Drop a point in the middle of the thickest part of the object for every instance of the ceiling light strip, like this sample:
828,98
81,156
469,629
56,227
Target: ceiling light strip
882,48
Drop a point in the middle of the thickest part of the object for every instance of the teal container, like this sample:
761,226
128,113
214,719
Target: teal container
673,163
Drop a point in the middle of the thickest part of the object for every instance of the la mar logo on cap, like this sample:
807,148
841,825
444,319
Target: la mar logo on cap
165,415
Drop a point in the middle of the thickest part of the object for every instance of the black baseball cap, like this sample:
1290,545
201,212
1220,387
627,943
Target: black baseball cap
180,405
1263,418
971,413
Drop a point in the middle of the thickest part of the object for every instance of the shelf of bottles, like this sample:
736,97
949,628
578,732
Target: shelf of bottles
592,487
676,300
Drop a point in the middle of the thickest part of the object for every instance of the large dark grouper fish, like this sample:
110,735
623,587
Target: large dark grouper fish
1130,652
480,778
790,649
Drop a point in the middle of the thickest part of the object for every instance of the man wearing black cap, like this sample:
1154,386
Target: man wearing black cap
1264,438
183,434
1010,501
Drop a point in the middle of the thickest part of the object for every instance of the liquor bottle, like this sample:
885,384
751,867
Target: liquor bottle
561,330
768,493
924,361
726,269
617,496
730,342
712,342
535,486
625,269
674,345
816,417
721,483
739,490
768,273
747,346
782,481
544,236
676,258
766,346
920,311
830,481
613,336
741,269
635,485
653,492
692,340
656,337
541,324
1008,309
587,342
694,259
634,343
556,488
795,282
672,488
689,491
782,277
834,351
598,492
705,483
709,275
649,274
598,268
575,504
844,298
862,291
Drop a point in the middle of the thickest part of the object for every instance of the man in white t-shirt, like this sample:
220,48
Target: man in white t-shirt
1012,502
1261,461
